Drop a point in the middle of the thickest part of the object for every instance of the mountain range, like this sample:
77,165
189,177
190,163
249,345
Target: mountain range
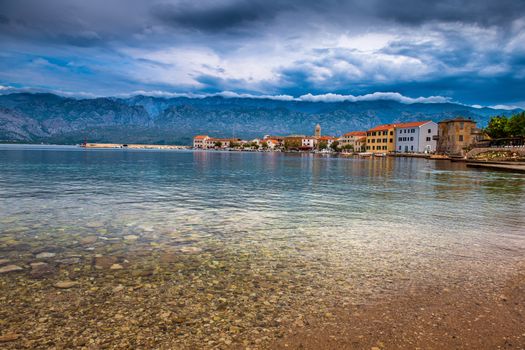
50,118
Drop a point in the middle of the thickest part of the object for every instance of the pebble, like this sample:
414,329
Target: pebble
9,337
45,255
116,267
190,250
118,288
88,240
65,284
131,237
3,261
10,268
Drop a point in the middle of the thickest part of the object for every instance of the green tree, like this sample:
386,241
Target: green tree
234,144
516,125
322,145
292,144
498,127
264,145
347,147
218,144
335,146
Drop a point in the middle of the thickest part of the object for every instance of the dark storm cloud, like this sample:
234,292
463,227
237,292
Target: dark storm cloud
463,49
217,16
484,12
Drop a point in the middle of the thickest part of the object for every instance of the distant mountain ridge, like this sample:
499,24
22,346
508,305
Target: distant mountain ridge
45,117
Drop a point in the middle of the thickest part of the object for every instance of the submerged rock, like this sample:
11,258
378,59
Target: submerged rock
45,255
131,237
116,267
104,262
65,284
3,261
10,268
190,250
88,240
41,269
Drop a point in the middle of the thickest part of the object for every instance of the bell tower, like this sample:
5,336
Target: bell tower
317,130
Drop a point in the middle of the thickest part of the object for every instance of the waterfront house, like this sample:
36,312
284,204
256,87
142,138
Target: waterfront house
328,139
455,136
360,144
354,139
199,140
380,139
308,142
416,137
207,142
272,143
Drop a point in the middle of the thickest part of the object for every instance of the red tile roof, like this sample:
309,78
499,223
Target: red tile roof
411,124
382,127
355,133
200,137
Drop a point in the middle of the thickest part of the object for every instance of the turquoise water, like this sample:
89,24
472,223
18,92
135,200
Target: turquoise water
302,229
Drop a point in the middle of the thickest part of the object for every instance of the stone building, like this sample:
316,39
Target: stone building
318,130
455,136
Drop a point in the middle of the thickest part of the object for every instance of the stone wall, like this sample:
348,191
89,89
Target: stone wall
513,152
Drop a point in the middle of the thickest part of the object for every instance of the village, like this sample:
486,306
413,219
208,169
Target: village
452,137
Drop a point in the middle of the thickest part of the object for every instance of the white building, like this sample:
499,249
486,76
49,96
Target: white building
199,141
308,141
416,137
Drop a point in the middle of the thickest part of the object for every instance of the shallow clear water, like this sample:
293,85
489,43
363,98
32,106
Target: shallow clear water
266,195
317,227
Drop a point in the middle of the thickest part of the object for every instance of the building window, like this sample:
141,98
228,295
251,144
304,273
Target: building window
411,148
399,139
385,140
429,131
391,133
412,138
461,125
391,140
460,138
400,148
428,139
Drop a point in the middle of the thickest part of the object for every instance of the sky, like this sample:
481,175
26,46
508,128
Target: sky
467,51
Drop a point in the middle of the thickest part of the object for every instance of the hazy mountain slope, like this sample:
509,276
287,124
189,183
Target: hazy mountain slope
28,117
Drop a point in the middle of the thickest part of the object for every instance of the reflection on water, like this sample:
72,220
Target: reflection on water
248,240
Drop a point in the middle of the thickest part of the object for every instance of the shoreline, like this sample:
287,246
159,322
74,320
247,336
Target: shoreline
495,165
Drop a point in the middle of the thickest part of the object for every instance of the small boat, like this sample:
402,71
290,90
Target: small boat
379,154
365,154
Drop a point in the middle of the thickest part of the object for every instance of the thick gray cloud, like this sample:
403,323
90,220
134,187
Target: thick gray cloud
459,49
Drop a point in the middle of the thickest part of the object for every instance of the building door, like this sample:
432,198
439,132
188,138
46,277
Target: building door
406,148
